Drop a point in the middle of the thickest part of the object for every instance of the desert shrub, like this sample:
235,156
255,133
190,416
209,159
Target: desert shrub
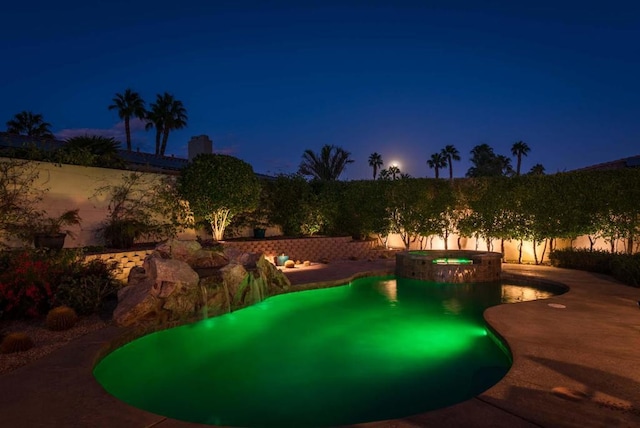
61,318
583,259
16,342
87,286
26,288
626,268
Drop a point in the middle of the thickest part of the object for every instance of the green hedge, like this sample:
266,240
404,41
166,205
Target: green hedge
623,267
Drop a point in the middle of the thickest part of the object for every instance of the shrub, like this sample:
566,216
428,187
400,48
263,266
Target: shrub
583,259
626,269
623,267
61,318
85,288
26,289
16,342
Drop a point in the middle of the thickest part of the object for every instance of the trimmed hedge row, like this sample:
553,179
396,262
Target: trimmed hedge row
623,267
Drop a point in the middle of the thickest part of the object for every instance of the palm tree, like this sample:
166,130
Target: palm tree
129,105
29,124
166,115
519,149
93,150
375,162
537,169
327,165
451,153
437,161
394,171
504,165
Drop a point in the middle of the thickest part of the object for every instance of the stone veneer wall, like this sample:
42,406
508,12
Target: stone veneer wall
124,261
312,249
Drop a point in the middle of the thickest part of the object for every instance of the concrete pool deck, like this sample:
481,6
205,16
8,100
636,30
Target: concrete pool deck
574,366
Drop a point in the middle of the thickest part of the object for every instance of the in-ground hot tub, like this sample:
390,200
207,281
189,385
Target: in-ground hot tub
451,266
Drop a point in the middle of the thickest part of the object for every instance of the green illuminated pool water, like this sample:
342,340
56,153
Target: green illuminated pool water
376,349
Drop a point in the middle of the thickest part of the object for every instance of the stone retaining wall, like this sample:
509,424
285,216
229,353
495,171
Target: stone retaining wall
124,261
420,265
312,249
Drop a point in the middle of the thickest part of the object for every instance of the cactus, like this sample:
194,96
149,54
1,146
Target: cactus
61,318
16,342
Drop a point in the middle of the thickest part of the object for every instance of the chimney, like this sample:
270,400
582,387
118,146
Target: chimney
199,144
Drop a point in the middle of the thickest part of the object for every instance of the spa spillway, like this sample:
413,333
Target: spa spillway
450,266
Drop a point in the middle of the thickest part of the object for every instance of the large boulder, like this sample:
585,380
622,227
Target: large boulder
192,253
168,289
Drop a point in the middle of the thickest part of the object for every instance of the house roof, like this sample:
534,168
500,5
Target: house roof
630,162
135,160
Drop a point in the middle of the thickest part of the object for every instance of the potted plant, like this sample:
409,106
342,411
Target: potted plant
50,232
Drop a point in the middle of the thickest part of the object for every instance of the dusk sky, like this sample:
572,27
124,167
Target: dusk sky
267,80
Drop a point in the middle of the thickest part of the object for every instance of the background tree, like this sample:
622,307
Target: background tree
375,162
92,150
487,164
537,169
518,150
451,154
29,124
217,188
326,165
394,172
129,105
437,161
166,114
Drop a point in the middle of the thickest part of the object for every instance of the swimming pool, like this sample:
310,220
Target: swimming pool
375,349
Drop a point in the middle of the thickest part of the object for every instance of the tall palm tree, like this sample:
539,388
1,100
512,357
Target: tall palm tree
166,114
375,162
451,153
437,161
326,165
29,124
129,105
519,149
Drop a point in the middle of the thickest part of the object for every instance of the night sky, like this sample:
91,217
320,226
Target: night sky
267,80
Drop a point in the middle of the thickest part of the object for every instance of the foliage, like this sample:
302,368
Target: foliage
583,259
16,342
626,269
287,199
19,196
142,205
30,124
90,150
86,285
326,165
27,286
486,163
61,318
55,225
218,187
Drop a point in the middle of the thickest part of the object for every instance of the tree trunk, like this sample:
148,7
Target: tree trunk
592,242
535,253
459,243
158,138
165,138
544,249
127,131
630,244
504,260
446,240
520,252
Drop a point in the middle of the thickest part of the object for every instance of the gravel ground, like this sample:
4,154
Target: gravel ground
45,341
